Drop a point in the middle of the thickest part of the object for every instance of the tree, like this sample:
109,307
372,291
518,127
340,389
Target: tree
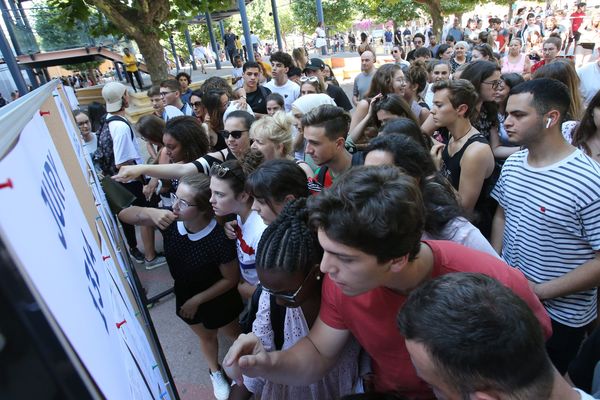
408,10
144,21
338,14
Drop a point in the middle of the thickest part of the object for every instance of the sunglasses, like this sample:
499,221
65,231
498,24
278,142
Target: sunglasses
290,297
197,104
235,134
221,172
309,79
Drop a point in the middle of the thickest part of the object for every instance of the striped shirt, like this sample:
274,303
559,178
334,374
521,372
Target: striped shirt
552,225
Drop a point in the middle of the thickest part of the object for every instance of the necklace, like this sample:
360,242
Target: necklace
465,134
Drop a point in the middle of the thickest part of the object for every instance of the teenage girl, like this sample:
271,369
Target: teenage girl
204,266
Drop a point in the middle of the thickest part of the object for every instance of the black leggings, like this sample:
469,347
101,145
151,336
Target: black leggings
136,188
564,344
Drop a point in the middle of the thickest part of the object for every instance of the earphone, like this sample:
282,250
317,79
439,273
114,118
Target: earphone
548,123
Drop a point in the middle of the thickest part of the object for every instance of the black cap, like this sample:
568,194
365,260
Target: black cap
315,64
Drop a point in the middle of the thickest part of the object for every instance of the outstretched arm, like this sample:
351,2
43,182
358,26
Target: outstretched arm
304,363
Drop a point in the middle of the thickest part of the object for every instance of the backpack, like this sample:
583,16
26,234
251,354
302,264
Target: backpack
317,184
104,157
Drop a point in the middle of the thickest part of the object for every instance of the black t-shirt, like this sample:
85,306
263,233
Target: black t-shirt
257,100
338,95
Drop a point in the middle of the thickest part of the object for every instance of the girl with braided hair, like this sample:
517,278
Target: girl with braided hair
229,197
204,266
287,263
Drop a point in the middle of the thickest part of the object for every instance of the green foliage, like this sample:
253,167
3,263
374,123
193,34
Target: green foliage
91,65
338,14
53,35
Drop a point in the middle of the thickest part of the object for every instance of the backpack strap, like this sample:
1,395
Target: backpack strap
321,175
119,118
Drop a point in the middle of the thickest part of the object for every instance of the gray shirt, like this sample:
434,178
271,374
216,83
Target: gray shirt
361,84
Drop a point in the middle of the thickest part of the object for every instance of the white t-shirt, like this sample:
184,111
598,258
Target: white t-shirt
124,147
92,145
290,91
589,75
198,53
584,395
460,230
248,236
171,112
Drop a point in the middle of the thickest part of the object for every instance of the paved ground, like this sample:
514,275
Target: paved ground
179,343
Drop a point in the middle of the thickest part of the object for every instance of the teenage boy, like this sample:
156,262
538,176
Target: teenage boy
325,130
547,223
506,357
184,80
159,108
281,63
254,93
550,50
369,225
170,91
316,67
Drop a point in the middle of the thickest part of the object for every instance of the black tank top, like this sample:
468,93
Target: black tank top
485,206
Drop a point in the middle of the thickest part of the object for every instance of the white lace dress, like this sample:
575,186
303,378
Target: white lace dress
338,382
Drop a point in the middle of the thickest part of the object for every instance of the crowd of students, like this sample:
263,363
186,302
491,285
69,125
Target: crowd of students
442,239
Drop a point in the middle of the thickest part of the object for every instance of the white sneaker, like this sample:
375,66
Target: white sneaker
221,387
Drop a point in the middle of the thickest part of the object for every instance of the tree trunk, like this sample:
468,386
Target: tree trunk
510,10
436,19
152,50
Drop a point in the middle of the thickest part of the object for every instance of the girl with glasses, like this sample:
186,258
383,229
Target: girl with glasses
288,266
204,266
229,197
90,141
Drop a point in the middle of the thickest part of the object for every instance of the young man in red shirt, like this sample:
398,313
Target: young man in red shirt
370,224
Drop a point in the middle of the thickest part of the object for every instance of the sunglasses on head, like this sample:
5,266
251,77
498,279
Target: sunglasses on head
235,134
309,79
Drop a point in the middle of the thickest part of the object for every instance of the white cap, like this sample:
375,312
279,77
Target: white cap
113,93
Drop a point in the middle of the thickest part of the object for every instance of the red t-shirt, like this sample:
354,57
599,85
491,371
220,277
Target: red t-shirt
371,316
576,20
537,65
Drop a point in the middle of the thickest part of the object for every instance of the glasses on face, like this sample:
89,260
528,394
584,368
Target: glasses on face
289,297
183,205
221,172
309,79
235,134
495,84
163,94
196,104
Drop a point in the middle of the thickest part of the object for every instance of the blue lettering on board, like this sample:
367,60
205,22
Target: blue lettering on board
94,282
53,193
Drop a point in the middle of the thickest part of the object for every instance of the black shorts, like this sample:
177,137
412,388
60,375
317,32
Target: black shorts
576,36
587,46
215,313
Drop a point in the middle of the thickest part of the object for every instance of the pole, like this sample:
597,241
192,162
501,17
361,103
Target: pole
320,11
222,29
188,40
118,71
10,28
172,41
277,28
213,41
12,65
246,26
32,78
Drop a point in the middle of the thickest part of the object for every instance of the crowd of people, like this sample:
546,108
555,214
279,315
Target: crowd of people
437,234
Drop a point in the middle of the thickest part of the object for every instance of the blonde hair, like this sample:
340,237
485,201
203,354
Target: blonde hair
276,128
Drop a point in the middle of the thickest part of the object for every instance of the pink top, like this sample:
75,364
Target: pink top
508,67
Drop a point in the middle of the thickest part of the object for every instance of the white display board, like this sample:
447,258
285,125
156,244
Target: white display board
50,239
